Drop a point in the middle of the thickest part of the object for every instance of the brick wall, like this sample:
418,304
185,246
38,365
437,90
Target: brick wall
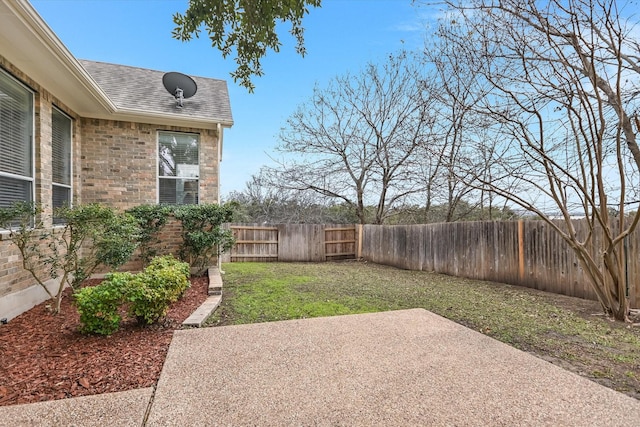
119,163
168,243
12,277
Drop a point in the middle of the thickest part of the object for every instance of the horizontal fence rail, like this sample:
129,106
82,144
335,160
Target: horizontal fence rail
340,242
292,242
254,243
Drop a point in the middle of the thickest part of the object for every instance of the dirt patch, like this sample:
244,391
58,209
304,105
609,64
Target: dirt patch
44,357
614,366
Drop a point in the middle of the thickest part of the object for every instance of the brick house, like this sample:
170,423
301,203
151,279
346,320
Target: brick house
74,131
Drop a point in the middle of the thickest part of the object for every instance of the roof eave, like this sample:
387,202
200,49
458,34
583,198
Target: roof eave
62,75
166,119
67,80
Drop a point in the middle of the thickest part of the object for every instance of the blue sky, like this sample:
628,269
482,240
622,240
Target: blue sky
341,36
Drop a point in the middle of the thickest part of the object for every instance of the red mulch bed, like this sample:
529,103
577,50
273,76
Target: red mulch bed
44,357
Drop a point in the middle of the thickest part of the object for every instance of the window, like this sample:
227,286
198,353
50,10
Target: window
61,159
16,141
178,168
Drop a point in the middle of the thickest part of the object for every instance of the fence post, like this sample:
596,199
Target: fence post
359,229
521,249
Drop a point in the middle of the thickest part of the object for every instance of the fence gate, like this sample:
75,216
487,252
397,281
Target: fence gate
339,243
254,244
292,242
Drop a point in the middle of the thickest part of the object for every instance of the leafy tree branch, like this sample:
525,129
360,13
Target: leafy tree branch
246,26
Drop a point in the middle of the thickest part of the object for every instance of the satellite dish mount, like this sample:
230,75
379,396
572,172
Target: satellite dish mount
180,86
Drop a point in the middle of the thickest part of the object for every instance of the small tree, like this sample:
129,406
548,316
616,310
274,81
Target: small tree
557,84
359,140
91,236
203,237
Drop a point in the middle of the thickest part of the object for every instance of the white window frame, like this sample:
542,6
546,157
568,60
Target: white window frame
31,179
54,183
189,175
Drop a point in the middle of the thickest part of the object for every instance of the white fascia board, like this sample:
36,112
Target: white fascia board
66,79
138,116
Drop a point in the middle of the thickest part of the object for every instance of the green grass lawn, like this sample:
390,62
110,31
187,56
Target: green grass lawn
566,331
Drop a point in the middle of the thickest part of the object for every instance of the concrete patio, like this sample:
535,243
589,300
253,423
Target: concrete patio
401,368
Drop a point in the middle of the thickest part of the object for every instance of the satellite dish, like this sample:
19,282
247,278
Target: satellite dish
180,86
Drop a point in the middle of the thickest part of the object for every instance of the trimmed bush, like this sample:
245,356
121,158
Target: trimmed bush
168,261
170,274
151,292
99,306
147,303
147,296
151,219
203,237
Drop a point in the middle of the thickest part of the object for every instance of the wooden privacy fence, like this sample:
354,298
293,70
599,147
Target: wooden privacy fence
524,253
292,242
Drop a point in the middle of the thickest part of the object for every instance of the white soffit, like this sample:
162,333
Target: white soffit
30,45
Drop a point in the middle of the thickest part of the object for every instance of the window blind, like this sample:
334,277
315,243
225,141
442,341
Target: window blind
16,142
61,145
178,168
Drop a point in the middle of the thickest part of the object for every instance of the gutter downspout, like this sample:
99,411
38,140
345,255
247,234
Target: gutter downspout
219,129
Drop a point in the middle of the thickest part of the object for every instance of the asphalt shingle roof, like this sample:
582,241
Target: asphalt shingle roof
142,89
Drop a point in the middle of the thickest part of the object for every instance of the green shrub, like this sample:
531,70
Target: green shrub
147,296
147,303
168,273
86,237
167,261
95,235
151,219
163,282
203,237
99,306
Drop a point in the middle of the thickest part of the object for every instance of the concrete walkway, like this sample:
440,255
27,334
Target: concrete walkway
398,368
